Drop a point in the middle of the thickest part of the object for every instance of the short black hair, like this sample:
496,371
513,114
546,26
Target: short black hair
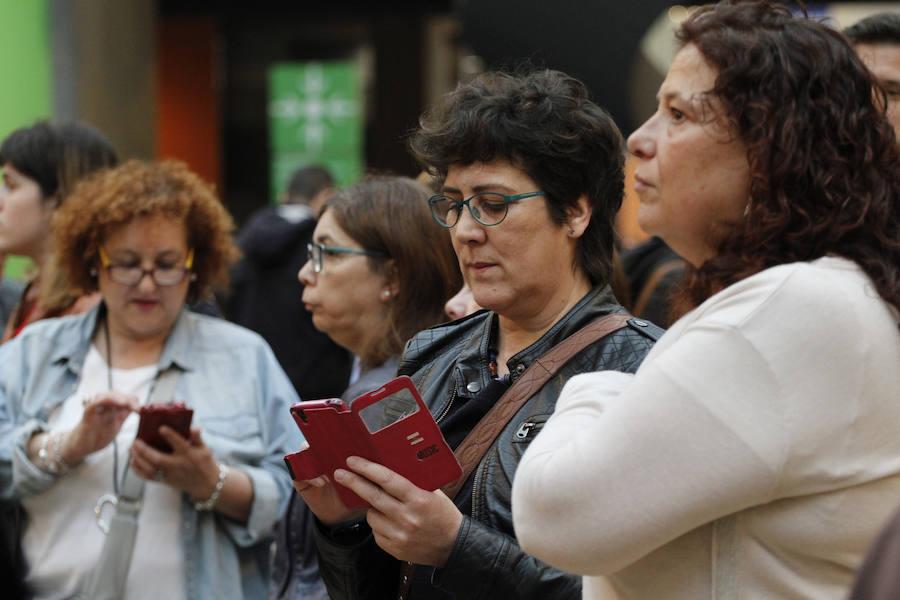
56,156
34,151
544,123
881,28
306,182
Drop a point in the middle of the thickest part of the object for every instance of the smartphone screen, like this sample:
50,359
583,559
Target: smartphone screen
389,410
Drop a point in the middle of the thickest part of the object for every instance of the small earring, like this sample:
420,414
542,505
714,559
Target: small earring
571,231
386,294
193,277
93,272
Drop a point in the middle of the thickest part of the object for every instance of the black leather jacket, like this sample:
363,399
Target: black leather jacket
449,364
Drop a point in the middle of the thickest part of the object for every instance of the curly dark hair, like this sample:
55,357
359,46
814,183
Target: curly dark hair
115,197
543,123
822,154
390,216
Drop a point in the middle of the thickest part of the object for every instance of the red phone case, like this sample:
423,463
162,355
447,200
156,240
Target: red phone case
390,426
175,415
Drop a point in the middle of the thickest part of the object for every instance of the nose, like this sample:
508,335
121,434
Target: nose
146,282
454,308
307,274
467,230
641,143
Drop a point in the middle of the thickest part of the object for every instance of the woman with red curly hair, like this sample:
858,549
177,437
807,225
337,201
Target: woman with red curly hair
172,514
755,453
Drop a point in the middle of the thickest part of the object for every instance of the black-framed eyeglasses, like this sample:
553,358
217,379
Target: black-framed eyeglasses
161,275
487,208
316,251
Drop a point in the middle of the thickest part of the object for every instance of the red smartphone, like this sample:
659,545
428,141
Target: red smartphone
390,426
176,415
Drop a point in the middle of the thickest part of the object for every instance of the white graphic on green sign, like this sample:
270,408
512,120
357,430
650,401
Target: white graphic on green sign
315,116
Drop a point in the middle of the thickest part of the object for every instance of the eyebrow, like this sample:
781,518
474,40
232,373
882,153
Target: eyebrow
325,239
128,253
668,96
483,187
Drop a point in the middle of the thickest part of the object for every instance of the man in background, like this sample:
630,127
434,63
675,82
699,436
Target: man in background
877,41
265,292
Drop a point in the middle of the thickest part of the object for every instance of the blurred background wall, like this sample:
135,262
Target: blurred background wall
196,79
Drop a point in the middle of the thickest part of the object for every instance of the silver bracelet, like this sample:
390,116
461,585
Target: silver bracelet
210,502
61,465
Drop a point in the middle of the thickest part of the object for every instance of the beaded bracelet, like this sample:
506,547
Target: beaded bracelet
210,502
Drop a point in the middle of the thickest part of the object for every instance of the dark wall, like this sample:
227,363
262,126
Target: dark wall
594,40
253,36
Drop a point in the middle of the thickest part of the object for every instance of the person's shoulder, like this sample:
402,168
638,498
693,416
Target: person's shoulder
53,337
216,332
805,283
829,293
443,339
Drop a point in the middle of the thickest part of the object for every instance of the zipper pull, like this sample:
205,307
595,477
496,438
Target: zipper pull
523,430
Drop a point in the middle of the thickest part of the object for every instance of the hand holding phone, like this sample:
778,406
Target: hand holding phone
176,415
390,426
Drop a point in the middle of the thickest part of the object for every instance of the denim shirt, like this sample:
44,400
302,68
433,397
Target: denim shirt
240,397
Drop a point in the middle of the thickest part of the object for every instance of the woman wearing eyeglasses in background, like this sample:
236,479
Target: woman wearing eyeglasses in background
531,177
379,270
148,237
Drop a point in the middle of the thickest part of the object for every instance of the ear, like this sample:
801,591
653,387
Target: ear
578,216
51,203
391,283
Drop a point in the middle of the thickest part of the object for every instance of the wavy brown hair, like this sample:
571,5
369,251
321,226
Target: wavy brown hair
390,216
115,197
822,154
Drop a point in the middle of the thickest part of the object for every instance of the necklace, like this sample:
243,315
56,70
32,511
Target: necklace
111,499
109,383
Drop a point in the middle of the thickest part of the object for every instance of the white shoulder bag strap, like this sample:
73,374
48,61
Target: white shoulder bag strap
107,582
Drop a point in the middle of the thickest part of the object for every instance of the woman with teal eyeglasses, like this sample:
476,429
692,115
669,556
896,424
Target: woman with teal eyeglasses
380,269
530,177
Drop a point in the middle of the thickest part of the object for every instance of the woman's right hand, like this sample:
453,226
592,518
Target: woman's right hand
324,501
100,422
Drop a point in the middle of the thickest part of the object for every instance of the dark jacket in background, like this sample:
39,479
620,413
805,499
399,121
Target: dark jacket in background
449,365
653,270
878,577
265,297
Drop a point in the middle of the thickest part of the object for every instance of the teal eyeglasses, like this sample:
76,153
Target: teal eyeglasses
487,208
316,252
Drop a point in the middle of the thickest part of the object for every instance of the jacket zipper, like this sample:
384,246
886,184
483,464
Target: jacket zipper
444,412
522,431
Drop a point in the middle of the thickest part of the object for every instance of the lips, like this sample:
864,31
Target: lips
641,183
145,304
479,267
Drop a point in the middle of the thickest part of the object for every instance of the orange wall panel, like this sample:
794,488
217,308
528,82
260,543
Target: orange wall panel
188,120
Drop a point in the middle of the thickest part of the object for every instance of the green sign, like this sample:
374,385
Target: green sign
26,36
315,117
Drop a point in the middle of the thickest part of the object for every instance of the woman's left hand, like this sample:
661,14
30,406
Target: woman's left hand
190,467
408,522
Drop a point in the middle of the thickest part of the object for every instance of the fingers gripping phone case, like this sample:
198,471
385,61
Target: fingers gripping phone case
390,426
176,415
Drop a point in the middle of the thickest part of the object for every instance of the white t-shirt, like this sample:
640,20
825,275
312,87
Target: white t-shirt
63,542
754,454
